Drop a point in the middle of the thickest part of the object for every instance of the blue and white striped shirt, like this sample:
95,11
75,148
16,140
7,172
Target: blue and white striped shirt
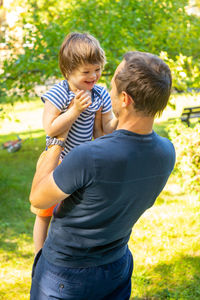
82,129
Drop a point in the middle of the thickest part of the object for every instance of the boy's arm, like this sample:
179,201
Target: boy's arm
55,123
109,122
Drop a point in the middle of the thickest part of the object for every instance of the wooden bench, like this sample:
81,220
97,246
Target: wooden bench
190,113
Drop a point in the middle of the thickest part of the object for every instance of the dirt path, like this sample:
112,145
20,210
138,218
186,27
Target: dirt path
22,117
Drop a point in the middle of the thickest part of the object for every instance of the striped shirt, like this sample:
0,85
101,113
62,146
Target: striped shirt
82,129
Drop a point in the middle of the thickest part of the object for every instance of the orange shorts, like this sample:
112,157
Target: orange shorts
43,212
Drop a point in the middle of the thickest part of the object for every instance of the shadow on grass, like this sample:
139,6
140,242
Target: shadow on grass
179,279
7,245
10,249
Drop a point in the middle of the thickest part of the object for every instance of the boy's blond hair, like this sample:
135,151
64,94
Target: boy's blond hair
78,49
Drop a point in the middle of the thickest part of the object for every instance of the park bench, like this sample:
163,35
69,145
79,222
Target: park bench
190,113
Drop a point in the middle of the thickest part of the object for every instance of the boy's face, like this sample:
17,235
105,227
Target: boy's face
84,77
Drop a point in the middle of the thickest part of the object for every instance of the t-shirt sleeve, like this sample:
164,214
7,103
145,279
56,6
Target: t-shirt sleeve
57,95
107,106
76,170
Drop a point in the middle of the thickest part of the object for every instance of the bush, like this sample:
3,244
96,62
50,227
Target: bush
187,144
150,26
185,71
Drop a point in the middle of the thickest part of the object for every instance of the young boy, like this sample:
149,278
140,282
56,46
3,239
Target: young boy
71,105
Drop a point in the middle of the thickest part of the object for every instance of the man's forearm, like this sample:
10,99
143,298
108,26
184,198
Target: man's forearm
46,164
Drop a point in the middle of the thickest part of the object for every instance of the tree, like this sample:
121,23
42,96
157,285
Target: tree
151,26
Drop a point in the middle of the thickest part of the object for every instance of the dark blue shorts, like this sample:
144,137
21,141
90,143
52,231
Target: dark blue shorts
106,282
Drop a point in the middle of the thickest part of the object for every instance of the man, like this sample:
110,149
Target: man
103,187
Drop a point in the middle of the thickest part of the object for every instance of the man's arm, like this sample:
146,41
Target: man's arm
109,122
44,192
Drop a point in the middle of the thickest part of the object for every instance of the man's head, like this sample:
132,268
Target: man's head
146,79
77,50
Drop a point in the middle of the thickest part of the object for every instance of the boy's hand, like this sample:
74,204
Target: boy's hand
81,101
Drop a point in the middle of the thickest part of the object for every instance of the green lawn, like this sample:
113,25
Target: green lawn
16,247
165,242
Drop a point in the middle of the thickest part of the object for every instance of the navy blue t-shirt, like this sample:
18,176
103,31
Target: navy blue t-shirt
112,181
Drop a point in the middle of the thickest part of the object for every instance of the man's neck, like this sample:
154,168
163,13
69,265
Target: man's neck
137,124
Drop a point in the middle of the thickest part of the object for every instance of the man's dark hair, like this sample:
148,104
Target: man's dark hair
147,79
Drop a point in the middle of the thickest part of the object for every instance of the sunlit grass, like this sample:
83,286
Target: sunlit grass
15,274
16,246
165,242
166,247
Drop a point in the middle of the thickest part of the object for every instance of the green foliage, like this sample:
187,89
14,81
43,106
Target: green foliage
187,144
151,26
185,71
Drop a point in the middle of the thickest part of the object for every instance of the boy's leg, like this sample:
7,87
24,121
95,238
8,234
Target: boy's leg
40,231
42,220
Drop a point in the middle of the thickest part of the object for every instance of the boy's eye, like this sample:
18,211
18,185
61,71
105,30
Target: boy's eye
97,70
85,72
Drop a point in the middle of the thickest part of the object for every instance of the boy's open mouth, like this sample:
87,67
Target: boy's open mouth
90,82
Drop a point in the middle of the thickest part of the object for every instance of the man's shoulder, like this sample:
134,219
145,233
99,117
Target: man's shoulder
164,141
87,148
165,149
84,147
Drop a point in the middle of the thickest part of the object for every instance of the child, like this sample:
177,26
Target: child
71,105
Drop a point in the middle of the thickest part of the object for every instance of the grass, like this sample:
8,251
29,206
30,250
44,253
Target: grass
165,242
16,247
166,246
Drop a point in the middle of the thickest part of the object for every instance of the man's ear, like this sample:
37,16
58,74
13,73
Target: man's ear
126,99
